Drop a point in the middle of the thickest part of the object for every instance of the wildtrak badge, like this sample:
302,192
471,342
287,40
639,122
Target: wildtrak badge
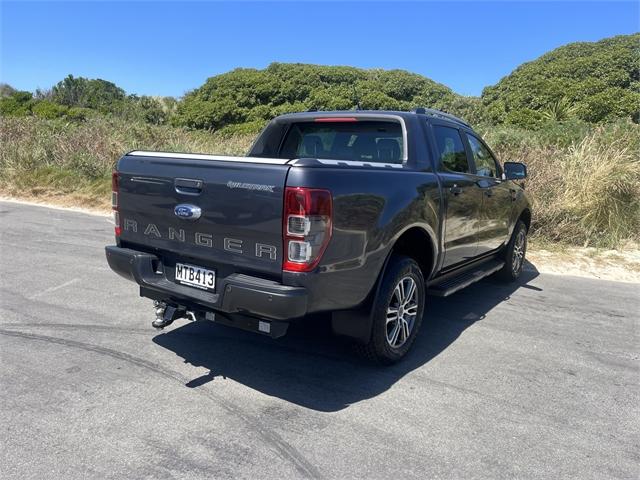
251,186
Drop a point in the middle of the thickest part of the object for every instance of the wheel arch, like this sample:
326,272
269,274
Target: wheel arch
525,216
357,324
418,243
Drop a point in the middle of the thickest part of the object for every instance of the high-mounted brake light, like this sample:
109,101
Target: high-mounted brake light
307,227
115,201
336,119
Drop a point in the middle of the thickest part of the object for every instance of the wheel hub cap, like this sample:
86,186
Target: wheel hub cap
402,312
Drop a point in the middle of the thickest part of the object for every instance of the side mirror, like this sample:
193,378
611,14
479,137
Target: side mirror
515,171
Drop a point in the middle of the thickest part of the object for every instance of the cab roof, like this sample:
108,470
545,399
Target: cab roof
341,114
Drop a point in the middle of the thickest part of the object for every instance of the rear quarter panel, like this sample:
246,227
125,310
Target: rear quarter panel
372,207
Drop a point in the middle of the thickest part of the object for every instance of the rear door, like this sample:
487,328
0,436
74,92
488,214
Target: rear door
240,203
462,196
493,225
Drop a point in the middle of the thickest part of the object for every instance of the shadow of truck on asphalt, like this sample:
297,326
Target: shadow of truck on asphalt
316,370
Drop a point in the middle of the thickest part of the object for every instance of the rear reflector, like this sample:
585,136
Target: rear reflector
116,222
336,119
307,227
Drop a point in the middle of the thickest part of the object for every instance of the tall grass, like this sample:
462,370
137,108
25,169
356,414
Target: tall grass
585,191
584,180
72,162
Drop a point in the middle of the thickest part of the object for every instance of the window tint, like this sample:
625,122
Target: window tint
450,149
486,165
363,141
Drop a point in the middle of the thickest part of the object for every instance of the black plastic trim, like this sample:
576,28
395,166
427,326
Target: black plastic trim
237,293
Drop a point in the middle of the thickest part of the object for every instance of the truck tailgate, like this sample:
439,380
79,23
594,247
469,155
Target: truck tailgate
240,201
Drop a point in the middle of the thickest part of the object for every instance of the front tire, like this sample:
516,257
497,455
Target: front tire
397,311
514,255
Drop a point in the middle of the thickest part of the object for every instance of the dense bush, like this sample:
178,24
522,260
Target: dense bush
47,109
79,98
81,92
16,104
595,82
254,96
592,82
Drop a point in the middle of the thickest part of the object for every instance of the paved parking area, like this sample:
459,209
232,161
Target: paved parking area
535,380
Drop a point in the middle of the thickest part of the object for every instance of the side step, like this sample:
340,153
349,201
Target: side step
451,285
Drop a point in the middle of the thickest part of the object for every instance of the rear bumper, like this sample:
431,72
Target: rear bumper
236,293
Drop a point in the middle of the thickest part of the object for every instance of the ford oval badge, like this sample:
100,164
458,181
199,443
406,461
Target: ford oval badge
187,212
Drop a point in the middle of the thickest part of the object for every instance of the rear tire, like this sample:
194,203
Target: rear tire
397,312
514,254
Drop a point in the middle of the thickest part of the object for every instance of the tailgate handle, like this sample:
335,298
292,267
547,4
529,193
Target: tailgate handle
188,186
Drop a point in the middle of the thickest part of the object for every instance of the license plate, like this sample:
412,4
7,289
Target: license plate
195,276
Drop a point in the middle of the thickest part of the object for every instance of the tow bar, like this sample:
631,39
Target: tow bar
166,314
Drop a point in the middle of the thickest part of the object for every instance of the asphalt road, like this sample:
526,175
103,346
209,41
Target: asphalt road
535,380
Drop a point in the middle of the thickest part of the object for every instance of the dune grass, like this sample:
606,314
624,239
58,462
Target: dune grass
71,163
584,180
585,184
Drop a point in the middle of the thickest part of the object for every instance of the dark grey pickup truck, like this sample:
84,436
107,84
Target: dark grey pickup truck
362,214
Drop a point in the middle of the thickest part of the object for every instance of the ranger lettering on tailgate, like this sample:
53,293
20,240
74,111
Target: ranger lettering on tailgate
234,245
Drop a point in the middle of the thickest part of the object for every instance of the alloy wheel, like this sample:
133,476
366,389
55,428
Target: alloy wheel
519,247
402,312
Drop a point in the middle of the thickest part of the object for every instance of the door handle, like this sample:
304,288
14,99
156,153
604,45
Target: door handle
455,190
188,186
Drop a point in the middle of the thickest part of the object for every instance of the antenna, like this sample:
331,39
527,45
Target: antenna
356,97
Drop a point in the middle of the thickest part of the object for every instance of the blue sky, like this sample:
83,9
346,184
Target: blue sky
167,48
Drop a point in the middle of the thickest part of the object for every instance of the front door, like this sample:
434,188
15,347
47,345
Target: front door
462,197
493,225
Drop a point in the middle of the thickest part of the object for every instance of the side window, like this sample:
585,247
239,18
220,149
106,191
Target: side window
486,165
451,149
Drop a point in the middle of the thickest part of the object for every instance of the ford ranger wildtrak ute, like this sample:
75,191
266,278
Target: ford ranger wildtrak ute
363,214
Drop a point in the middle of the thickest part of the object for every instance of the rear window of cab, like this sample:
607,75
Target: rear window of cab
361,141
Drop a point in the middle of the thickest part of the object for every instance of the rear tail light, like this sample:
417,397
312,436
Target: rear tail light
115,201
307,227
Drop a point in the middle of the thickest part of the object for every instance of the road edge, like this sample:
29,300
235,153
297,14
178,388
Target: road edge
562,265
53,206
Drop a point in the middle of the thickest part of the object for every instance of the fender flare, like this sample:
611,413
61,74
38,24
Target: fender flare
357,323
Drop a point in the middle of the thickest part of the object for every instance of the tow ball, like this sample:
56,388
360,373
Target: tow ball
166,314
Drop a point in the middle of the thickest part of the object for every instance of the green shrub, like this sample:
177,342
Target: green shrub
49,110
87,93
79,114
18,104
247,95
598,80
525,118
